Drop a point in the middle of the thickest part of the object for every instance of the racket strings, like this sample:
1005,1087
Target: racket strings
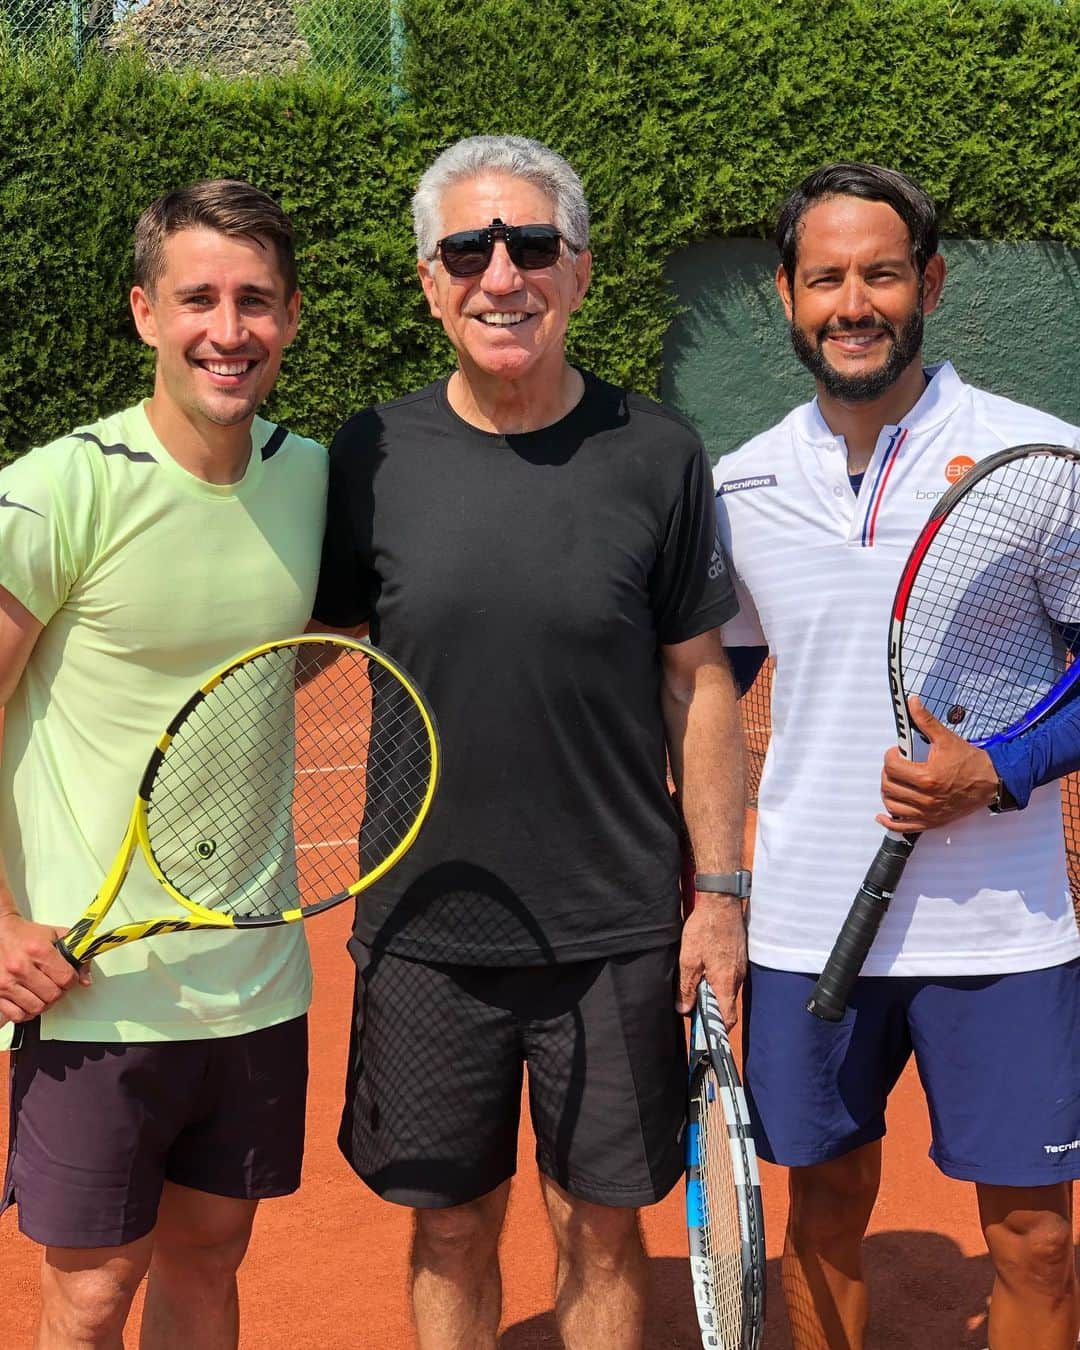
302,772
975,642
721,1228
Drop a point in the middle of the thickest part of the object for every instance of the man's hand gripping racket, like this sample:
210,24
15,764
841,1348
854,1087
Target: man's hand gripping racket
725,1228
987,607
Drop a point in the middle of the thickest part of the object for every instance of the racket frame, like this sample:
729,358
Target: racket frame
82,943
711,1049
830,996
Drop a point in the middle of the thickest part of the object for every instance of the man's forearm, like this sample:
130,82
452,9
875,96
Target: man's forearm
19,631
8,903
1049,751
705,744
7,899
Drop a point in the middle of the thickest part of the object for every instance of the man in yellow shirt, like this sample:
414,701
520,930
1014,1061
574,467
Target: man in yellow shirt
157,1098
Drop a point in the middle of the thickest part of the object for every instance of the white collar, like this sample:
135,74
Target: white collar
941,395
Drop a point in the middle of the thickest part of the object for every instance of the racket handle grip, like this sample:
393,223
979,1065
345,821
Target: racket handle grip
65,951
855,939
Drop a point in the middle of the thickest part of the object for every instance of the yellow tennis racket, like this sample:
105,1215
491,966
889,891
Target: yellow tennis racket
292,779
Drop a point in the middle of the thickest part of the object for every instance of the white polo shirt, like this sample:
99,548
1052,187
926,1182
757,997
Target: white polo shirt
816,570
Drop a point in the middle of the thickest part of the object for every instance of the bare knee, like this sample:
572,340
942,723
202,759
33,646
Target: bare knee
202,1238
461,1232
86,1296
201,1260
1033,1251
603,1238
835,1199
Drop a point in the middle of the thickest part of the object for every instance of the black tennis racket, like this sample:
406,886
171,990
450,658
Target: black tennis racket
985,616
723,1193
293,778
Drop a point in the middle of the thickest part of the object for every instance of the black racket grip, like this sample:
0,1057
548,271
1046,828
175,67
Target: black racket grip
62,947
855,939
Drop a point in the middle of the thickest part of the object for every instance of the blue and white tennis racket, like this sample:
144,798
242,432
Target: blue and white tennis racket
723,1192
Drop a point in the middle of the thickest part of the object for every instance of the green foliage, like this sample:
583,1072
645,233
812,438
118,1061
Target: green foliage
689,118
684,119
84,151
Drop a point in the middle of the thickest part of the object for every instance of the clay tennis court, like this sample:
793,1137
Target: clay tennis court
326,1270
327,1267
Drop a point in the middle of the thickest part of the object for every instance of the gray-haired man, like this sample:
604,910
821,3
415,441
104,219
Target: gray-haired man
537,547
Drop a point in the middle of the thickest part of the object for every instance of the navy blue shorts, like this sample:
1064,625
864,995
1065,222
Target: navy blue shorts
998,1056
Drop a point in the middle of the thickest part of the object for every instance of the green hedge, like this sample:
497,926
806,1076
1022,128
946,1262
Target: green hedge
84,153
684,119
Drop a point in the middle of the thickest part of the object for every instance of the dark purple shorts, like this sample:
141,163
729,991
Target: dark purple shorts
97,1129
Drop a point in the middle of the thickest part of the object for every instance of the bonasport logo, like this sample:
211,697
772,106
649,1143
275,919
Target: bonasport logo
958,467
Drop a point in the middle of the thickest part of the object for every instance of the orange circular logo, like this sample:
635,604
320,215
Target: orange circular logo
957,467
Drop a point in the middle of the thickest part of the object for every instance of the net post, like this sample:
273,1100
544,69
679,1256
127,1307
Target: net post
397,53
77,42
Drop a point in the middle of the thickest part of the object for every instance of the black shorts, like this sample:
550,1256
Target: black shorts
98,1128
435,1072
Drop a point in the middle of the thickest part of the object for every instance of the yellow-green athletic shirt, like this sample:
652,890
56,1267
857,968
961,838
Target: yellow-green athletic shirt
146,579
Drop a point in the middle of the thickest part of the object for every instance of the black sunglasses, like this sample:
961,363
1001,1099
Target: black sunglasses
468,252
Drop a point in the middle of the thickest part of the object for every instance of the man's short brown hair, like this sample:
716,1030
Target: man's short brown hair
226,205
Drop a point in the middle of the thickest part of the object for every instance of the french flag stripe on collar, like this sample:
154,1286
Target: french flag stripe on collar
885,468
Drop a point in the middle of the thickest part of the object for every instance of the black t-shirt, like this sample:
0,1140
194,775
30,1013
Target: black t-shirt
526,583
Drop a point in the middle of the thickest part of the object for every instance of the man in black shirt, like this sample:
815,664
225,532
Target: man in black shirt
538,549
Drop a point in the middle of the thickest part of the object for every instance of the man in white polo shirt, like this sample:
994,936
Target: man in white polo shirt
979,953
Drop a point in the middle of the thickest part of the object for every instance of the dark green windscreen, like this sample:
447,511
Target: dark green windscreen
1009,321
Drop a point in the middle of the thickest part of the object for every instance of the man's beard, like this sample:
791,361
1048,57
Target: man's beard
905,343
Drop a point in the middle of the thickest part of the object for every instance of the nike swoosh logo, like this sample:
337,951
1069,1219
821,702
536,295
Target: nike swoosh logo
5,500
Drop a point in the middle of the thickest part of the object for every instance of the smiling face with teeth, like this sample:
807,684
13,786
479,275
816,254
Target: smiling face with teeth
220,319
857,299
507,323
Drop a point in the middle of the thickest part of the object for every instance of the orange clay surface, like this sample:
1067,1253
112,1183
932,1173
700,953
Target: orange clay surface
327,1267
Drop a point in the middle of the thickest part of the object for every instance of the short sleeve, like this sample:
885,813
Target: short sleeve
348,586
47,514
744,630
692,590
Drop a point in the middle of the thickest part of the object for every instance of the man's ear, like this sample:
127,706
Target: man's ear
292,317
582,276
932,283
426,271
142,311
783,289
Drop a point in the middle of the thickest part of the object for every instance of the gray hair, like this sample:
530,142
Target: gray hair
515,156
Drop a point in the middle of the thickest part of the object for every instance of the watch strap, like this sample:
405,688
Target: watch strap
1003,800
735,883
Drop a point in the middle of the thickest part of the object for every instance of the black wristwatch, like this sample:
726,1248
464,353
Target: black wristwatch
1003,800
724,883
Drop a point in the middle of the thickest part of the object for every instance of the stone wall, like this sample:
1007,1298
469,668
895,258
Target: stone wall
233,37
